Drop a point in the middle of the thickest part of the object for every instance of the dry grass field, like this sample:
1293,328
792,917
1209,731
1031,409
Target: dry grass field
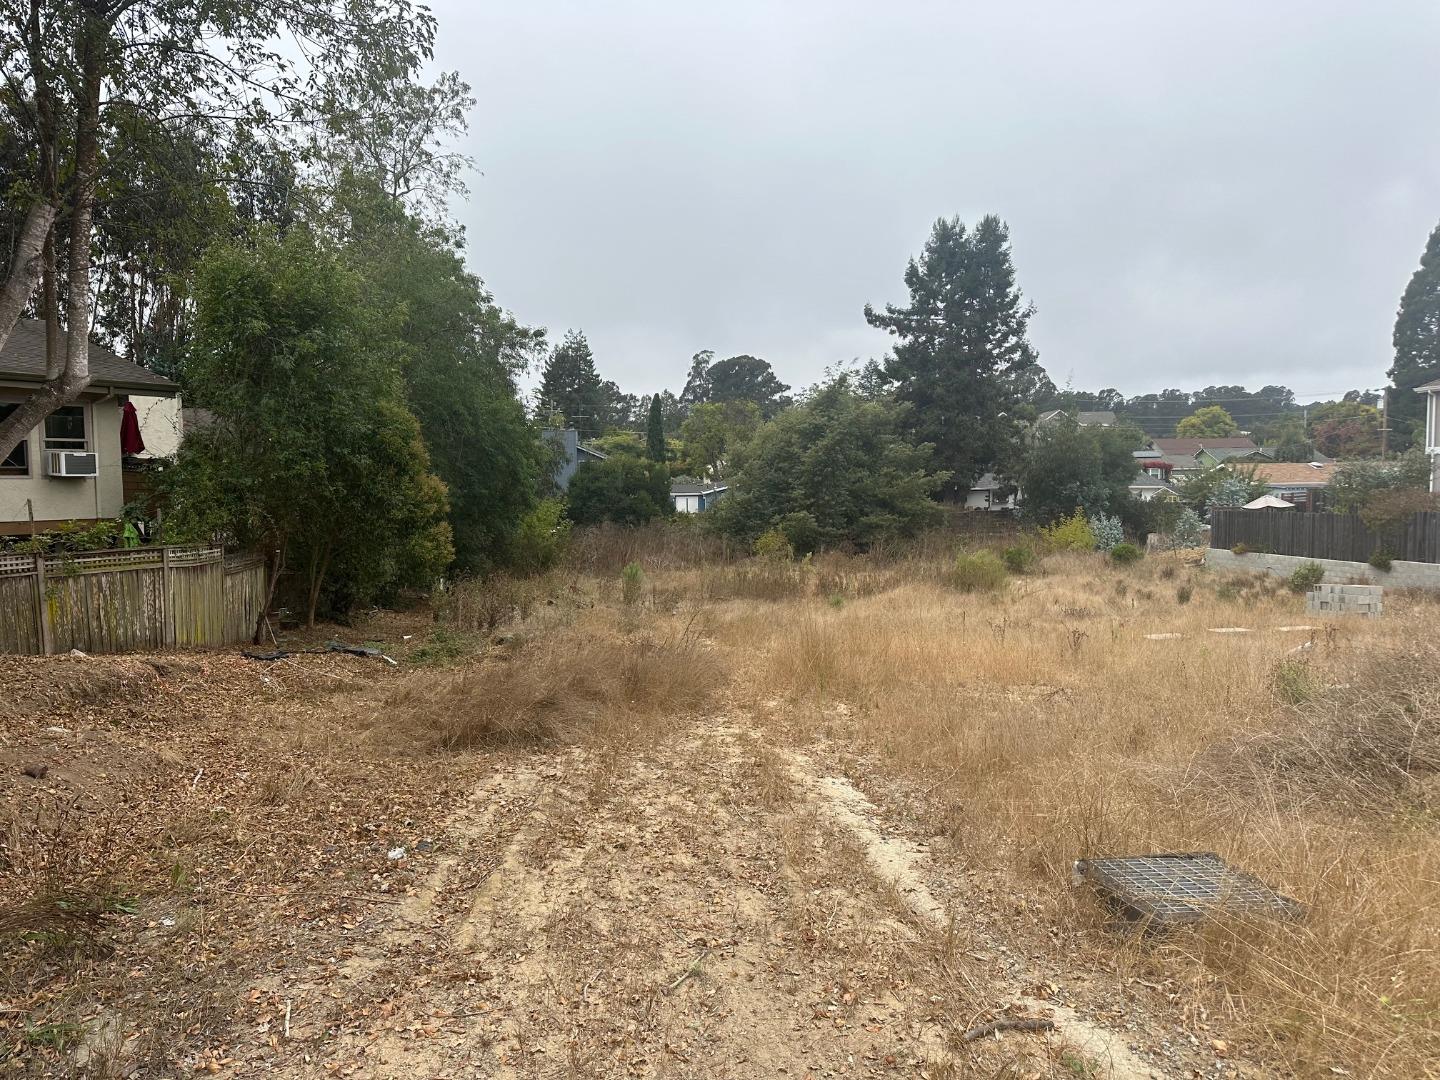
736,818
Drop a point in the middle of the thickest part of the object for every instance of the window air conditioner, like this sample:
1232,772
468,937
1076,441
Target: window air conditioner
70,463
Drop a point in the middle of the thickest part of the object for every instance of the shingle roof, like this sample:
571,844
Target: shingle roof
1293,473
1101,418
685,485
1146,481
23,359
1194,446
1225,453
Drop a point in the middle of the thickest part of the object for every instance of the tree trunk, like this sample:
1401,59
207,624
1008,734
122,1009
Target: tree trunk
25,270
317,578
64,382
277,563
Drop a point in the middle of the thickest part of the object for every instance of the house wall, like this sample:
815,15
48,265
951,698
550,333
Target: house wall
1401,575
67,500
687,504
983,499
160,424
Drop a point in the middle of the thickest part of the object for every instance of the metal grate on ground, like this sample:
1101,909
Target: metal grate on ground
1180,888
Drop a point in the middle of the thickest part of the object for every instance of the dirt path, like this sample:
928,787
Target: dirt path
701,906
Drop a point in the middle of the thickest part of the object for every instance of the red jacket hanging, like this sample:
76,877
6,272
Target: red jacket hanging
130,440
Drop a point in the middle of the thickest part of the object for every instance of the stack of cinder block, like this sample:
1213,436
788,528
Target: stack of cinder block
1345,600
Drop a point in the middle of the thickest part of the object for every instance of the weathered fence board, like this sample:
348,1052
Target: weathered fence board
128,600
1324,536
244,597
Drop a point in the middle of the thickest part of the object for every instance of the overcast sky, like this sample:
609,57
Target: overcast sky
1197,193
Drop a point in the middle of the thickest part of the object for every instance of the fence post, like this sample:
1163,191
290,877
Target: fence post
167,621
42,609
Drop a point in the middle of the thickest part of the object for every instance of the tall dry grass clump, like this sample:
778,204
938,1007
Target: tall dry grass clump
597,677
604,550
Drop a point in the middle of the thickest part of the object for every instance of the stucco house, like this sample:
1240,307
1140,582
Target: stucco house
1431,390
68,468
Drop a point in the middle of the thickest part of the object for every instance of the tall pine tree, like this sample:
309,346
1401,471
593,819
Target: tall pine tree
1417,346
569,386
961,352
655,431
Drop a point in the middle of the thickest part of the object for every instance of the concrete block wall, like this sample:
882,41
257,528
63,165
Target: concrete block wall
1401,575
1345,600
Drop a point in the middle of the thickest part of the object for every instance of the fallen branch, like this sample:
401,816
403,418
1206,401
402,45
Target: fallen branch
1025,1024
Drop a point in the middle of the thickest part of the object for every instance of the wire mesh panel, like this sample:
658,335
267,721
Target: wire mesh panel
1183,887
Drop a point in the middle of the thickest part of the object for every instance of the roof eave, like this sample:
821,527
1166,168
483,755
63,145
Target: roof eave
21,381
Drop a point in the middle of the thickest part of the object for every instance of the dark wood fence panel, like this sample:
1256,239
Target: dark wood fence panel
1324,536
244,596
127,600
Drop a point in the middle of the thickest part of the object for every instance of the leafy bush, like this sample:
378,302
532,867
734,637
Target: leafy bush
1187,531
1357,483
979,571
801,529
1071,533
623,489
1125,553
1382,560
1294,682
1229,491
1107,530
841,460
541,538
1239,549
774,544
1019,559
1306,577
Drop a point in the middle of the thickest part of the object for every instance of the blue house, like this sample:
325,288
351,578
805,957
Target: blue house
573,453
690,496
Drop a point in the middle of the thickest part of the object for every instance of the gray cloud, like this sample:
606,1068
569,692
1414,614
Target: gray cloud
1228,192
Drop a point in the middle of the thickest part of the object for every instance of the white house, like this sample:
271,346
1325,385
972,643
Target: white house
988,493
692,496
1431,390
68,468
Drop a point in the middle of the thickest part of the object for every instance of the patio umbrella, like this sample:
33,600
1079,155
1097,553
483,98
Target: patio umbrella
1269,502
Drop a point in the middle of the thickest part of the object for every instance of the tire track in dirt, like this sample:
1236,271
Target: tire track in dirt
902,863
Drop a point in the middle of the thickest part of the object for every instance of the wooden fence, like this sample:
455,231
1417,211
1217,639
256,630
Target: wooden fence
1324,536
128,600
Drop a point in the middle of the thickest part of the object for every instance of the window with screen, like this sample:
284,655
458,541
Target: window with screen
65,428
17,462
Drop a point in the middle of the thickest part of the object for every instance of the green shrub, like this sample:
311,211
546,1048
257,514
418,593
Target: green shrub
1306,577
1071,533
774,544
1019,559
1239,549
1382,560
1294,682
978,571
1125,553
541,538
632,581
1107,530
1183,594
